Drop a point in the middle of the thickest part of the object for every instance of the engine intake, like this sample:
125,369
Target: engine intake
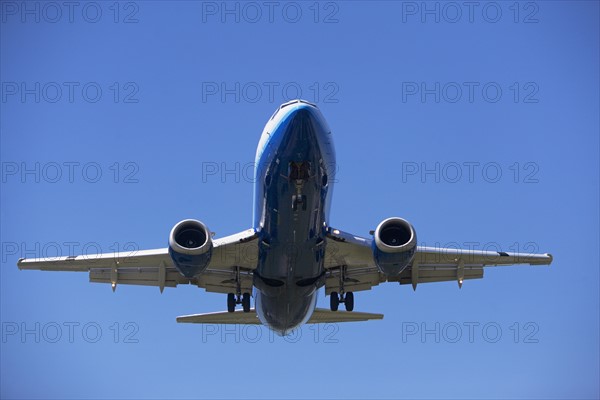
394,245
190,247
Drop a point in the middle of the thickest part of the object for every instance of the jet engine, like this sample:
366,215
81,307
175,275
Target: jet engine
394,245
190,247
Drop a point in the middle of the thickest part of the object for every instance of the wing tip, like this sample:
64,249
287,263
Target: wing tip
542,259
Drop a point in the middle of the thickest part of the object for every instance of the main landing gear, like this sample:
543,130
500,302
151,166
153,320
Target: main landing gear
343,297
233,300
335,299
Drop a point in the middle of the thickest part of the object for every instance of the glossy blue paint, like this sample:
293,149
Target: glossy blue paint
392,264
190,265
295,162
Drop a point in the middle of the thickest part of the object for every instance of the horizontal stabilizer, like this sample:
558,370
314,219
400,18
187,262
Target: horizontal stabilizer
323,316
222,317
320,316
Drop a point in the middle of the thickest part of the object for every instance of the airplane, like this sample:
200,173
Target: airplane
291,251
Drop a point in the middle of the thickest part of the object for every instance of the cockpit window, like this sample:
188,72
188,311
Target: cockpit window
309,103
289,103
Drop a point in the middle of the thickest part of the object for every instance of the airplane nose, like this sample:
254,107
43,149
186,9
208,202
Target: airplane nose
302,109
304,122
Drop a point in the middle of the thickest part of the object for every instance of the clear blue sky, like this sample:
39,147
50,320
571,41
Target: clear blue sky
400,90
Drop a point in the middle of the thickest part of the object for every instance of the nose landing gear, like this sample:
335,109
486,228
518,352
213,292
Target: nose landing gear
298,200
299,173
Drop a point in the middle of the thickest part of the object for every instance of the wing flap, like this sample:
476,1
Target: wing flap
224,281
141,276
429,275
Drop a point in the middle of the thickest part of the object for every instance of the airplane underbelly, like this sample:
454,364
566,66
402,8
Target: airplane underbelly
286,311
290,262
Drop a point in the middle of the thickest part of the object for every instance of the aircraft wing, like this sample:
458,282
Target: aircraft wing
350,257
155,267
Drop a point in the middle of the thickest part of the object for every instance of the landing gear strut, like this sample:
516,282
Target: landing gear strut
238,298
343,297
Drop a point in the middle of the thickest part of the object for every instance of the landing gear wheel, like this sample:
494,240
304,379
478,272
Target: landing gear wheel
246,302
231,302
334,301
349,301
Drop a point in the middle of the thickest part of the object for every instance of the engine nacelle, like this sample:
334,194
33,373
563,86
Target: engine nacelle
190,247
394,245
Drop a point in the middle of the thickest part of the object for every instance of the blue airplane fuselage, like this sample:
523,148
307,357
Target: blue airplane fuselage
295,167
